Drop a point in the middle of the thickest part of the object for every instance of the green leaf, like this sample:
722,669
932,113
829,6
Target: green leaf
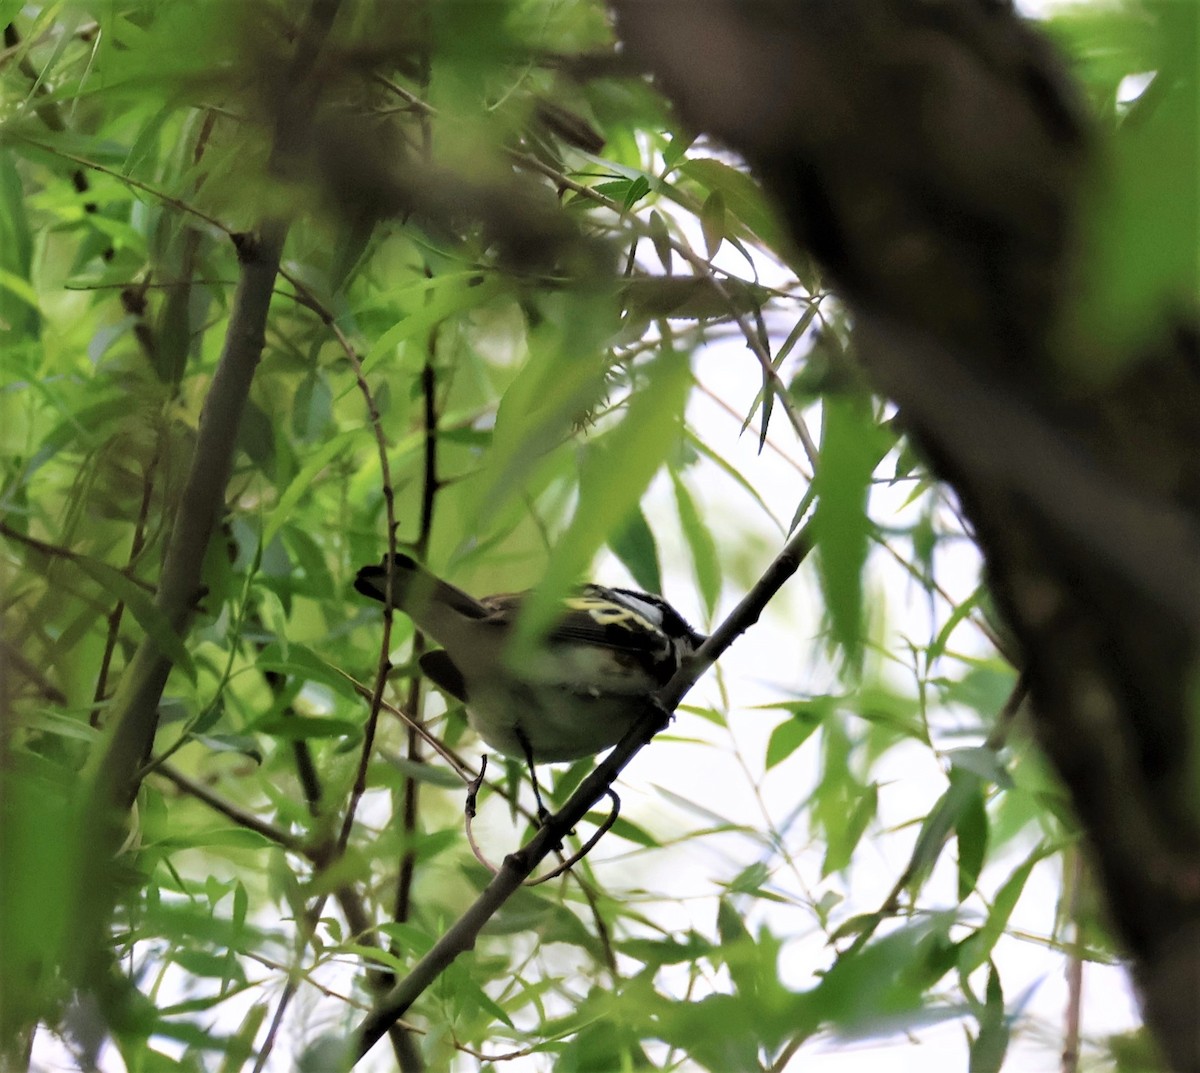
977,948
635,546
971,830
851,446
741,195
631,832
1143,229
614,473
661,237
449,296
790,735
155,624
840,849
991,1045
936,828
705,560
638,189
712,222
875,990
305,727
542,406
667,951
304,664
216,837
16,255
303,481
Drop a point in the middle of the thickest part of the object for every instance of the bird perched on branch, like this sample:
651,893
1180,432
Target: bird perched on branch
586,684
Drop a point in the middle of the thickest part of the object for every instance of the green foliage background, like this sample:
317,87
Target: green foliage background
494,226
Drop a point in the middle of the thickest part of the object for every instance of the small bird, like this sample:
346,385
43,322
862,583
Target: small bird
595,674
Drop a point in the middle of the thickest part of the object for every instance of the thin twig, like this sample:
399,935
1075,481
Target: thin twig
588,846
429,489
114,619
227,808
1073,1013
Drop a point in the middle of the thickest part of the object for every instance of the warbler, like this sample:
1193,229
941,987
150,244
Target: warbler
582,689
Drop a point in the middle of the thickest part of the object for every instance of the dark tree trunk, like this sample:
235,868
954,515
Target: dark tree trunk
932,155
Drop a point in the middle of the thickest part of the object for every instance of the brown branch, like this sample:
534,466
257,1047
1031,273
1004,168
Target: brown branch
108,781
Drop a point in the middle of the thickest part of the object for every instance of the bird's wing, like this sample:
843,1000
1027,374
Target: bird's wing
443,672
592,620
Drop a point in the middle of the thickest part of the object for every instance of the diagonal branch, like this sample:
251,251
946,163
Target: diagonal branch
461,935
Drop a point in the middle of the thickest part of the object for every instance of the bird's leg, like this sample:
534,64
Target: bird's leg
543,813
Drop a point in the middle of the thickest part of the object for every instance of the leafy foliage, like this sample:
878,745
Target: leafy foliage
507,297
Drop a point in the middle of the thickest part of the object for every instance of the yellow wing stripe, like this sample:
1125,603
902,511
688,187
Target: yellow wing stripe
607,613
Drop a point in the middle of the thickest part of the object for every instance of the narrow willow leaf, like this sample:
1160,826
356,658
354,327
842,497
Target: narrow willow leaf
851,447
471,293
935,830
840,849
302,728
732,471
614,473
790,735
705,560
303,481
661,238
635,546
155,624
977,948
743,196
989,1048
971,832
712,221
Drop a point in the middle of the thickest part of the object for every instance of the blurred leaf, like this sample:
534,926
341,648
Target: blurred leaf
37,886
742,196
16,254
971,829
447,296
301,728
977,948
661,238
981,761
703,548
649,298
840,849
302,482
1144,225
141,606
991,1045
667,951
880,989
851,447
614,473
788,736
712,222
936,828
985,688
